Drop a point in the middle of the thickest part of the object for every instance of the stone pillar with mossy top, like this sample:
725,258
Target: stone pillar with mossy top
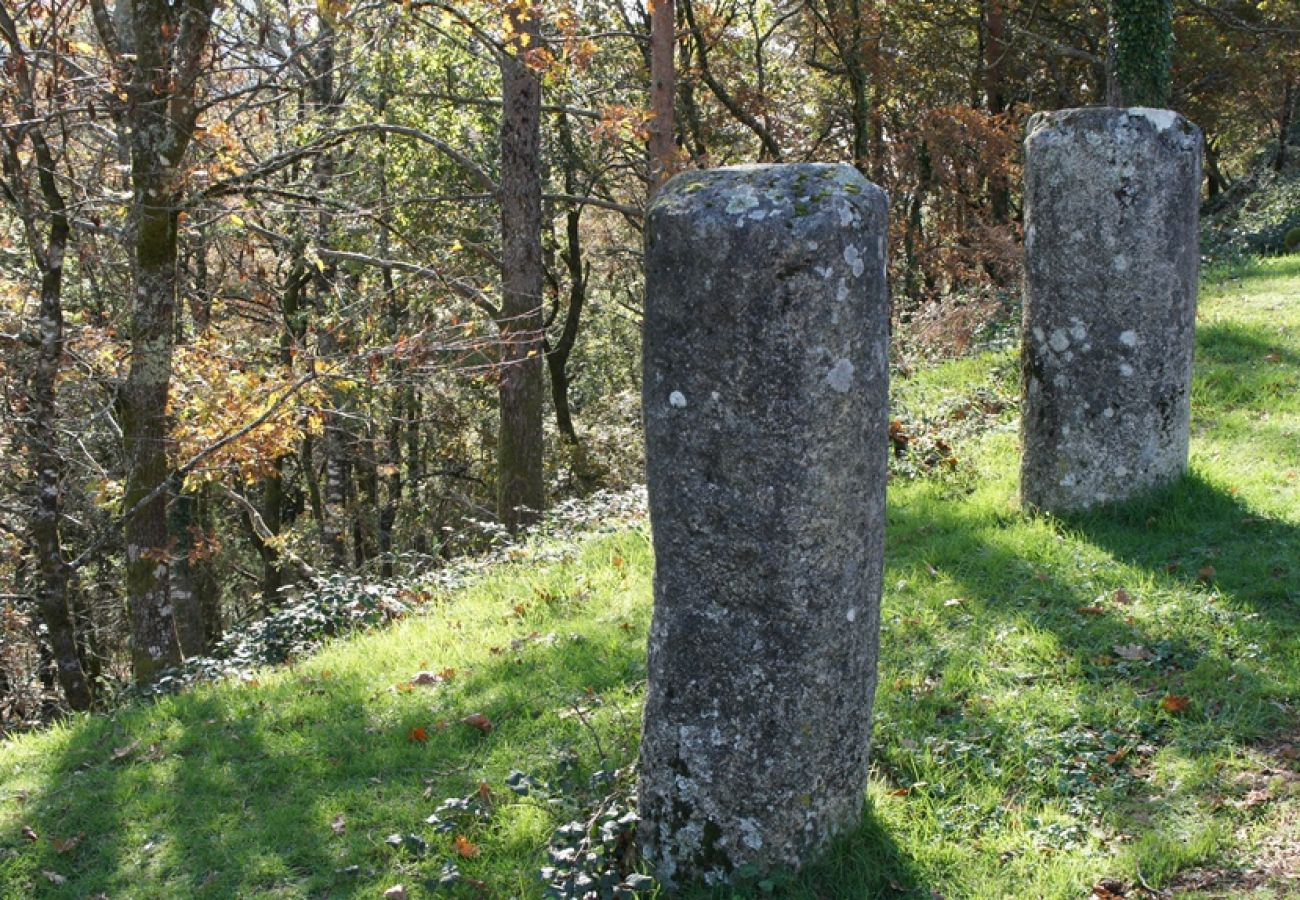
1112,261
765,395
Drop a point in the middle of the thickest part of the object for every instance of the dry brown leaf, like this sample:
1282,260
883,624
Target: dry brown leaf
68,845
1090,611
1205,574
466,848
1121,597
417,735
29,833
479,721
1174,703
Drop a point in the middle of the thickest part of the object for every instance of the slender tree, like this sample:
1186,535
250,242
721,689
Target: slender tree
45,343
520,488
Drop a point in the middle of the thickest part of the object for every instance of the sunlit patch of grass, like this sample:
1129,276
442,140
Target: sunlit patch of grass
1060,700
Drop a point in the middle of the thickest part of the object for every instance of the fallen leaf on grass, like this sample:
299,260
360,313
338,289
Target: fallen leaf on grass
1121,597
1132,652
396,892
68,845
1117,756
429,679
54,877
1205,574
955,601
417,735
479,721
30,833
465,847
1256,797
1174,703
1090,610
124,752
338,826
1108,889
1273,357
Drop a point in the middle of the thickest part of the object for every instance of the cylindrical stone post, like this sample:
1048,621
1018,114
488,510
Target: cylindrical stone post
765,376
1111,199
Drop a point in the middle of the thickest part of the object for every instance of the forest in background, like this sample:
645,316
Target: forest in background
292,292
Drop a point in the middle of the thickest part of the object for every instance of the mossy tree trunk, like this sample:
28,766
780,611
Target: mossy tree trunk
169,44
1141,53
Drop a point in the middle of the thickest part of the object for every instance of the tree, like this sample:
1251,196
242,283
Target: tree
160,50
520,488
1141,49
48,245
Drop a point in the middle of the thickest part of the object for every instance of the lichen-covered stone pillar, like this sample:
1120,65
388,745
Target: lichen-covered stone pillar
765,375
1111,198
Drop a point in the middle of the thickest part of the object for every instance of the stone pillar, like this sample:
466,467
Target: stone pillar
765,376
1112,254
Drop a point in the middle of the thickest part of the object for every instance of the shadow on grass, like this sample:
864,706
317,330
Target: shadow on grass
231,791
1193,532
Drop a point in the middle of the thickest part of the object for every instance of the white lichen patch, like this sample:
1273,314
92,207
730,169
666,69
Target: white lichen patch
1120,263
1128,338
840,377
1163,119
1060,341
852,614
741,202
677,400
841,292
1126,370
853,256
823,271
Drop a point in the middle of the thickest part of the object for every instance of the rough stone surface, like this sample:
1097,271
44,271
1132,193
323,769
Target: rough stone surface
1111,200
765,376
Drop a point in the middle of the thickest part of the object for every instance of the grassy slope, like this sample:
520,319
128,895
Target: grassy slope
1017,752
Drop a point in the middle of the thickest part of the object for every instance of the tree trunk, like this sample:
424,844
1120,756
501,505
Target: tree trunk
663,42
1141,41
168,49
39,421
1287,113
995,51
557,356
520,488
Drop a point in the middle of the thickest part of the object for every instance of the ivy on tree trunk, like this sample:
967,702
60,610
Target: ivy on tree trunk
1141,52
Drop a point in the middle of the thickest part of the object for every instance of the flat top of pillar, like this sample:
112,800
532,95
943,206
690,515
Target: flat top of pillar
753,193
1112,121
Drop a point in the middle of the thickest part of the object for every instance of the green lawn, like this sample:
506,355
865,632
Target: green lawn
1060,702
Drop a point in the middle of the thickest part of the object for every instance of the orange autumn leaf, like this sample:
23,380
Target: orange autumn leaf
417,735
1174,703
1090,611
465,847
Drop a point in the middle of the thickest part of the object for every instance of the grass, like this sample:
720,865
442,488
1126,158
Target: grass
1060,701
